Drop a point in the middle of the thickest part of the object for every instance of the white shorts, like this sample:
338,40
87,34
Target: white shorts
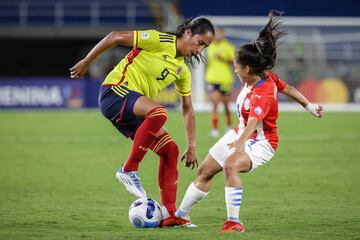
259,151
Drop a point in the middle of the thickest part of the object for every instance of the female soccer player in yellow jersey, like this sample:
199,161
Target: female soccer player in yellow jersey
157,60
219,77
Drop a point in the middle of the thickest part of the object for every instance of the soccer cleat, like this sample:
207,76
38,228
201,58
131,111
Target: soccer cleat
173,221
231,226
131,182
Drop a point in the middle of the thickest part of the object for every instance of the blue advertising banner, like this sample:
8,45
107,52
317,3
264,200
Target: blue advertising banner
37,93
62,93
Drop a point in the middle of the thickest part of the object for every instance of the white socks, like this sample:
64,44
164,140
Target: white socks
233,196
192,196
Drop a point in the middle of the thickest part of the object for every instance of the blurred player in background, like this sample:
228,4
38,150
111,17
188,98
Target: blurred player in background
254,142
219,77
157,60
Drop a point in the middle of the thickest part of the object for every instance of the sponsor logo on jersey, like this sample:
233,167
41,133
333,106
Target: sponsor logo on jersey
258,110
144,35
258,96
247,104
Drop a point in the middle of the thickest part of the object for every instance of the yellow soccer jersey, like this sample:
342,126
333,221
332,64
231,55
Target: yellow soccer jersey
218,71
151,66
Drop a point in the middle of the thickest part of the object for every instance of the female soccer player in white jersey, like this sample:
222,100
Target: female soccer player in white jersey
254,142
157,60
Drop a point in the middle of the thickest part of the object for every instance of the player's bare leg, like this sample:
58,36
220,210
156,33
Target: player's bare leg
207,170
198,189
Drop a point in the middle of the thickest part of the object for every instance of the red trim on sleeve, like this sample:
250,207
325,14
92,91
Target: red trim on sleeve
134,52
137,38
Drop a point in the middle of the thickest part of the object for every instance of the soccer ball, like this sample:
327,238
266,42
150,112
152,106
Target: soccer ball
145,213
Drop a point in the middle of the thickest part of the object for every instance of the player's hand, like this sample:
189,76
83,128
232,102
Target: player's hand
315,109
79,70
220,58
190,157
320,111
238,145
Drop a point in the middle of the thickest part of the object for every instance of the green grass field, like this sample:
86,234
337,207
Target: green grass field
57,180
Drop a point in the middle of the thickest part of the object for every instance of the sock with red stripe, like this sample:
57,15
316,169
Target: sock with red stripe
144,136
168,151
214,121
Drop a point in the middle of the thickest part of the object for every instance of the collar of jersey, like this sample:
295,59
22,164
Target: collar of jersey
260,82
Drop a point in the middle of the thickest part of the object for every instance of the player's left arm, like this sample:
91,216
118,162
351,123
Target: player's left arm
293,93
290,91
229,61
190,155
250,128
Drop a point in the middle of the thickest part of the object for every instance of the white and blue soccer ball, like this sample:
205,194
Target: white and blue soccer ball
145,213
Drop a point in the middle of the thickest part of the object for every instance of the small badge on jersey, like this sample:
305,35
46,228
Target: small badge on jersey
258,110
178,70
247,104
144,35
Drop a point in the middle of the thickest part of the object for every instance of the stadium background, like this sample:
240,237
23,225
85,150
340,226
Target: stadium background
41,39
58,155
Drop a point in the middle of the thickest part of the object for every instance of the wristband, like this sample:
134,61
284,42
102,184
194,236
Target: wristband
312,108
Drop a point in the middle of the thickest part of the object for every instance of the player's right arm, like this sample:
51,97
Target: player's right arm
190,155
112,39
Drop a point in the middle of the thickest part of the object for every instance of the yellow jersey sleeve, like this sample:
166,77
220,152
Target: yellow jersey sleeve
153,41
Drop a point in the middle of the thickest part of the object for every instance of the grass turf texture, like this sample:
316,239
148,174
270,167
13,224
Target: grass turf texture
57,180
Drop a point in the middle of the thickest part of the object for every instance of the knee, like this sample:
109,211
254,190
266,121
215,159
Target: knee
203,174
159,112
173,150
229,168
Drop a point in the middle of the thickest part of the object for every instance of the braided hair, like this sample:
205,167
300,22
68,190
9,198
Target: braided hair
261,54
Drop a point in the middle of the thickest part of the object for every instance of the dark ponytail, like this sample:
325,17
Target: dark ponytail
261,55
199,25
